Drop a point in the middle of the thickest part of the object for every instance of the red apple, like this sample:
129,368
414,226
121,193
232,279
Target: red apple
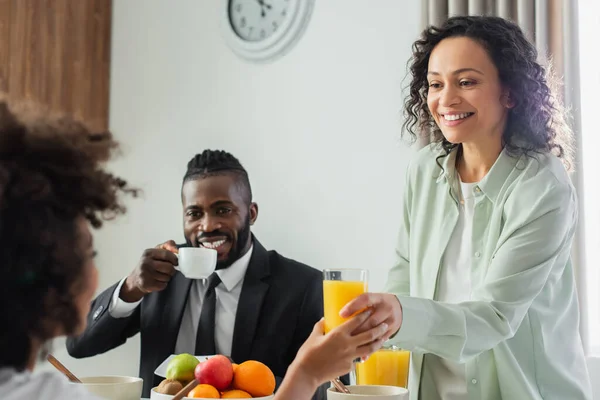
216,371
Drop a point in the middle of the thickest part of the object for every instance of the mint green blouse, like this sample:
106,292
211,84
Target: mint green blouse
518,336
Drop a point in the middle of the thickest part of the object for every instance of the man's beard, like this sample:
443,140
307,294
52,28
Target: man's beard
238,251
235,253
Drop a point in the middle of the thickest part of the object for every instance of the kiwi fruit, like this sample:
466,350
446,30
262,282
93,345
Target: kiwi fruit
169,386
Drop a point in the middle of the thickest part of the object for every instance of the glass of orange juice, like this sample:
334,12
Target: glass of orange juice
340,286
387,366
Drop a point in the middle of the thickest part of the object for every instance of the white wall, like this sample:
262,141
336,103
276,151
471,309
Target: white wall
318,131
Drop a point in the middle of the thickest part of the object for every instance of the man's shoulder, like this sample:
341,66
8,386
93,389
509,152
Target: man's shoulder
284,266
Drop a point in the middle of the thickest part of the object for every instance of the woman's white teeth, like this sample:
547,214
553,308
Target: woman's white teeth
455,117
213,245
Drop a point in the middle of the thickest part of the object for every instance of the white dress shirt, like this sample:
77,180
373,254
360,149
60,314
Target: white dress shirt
228,295
444,379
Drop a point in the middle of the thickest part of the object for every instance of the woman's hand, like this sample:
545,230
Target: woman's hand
385,307
323,357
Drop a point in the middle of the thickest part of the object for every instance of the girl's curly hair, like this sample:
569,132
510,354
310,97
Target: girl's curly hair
51,176
536,124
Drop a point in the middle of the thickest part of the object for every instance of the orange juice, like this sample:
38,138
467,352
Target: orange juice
384,367
336,294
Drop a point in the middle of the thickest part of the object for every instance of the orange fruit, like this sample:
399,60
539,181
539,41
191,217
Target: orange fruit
255,378
234,365
235,394
204,391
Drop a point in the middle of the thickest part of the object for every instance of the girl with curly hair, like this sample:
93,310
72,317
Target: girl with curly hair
483,290
52,189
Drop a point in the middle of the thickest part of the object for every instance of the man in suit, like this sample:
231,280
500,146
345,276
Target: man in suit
258,305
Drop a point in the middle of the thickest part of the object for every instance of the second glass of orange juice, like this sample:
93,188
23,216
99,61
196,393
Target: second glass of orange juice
340,286
387,366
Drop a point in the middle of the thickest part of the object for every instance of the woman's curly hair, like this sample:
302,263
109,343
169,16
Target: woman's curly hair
537,122
51,176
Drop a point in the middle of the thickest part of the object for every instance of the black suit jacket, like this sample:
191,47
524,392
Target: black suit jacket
280,302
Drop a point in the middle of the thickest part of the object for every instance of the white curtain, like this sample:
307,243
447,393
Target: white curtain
552,26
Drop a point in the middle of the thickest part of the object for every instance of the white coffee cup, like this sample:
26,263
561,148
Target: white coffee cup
369,392
196,262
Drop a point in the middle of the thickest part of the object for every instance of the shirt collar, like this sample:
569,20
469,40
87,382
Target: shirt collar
234,274
492,183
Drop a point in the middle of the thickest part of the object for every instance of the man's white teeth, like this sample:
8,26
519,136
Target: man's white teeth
455,117
213,245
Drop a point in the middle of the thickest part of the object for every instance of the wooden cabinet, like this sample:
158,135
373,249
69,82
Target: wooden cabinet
57,52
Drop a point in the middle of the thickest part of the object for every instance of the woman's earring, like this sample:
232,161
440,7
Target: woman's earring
508,103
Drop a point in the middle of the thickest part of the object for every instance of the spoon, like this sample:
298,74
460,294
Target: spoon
186,389
339,385
58,365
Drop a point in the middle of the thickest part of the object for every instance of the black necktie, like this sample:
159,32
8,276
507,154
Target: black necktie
205,336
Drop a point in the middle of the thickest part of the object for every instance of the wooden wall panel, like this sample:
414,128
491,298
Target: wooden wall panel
4,43
59,55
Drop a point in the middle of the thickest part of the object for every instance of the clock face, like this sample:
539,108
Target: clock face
257,20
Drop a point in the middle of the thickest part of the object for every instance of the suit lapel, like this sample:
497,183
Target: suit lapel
173,311
250,303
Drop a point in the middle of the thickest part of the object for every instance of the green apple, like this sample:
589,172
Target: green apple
181,367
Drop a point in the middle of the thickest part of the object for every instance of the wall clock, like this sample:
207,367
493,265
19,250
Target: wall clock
264,30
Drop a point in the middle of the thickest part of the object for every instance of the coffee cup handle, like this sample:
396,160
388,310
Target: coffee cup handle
176,266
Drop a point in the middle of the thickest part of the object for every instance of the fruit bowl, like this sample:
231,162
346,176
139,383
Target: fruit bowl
218,376
154,395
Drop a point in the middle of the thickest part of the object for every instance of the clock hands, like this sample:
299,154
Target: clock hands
263,6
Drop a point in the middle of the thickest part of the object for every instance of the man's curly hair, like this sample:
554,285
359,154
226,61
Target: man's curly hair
219,162
537,122
51,176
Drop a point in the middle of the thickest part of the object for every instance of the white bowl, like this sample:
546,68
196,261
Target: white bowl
114,387
154,395
369,392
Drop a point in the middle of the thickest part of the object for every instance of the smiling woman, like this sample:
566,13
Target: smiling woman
488,65
463,95
483,290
